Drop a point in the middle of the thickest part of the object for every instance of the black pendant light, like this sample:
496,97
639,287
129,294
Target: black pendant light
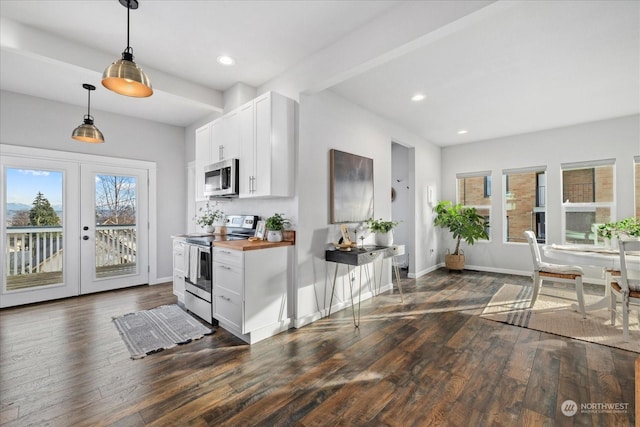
124,76
87,132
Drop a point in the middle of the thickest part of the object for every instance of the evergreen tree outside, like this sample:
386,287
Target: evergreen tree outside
42,213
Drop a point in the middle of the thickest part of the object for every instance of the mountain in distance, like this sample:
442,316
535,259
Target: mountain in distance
18,207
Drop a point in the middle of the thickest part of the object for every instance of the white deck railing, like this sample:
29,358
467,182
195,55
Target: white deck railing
32,250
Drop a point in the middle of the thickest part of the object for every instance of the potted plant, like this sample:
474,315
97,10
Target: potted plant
611,231
384,235
465,223
275,224
208,217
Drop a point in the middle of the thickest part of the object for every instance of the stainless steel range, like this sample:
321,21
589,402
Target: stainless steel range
199,274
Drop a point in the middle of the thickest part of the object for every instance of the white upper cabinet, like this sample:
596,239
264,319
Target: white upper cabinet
203,158
267,162
248,148
225,137
261,134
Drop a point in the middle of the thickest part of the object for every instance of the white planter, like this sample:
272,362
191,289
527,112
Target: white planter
209,228
274,236
384,239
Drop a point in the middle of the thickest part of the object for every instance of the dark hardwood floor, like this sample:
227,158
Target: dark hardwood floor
431,361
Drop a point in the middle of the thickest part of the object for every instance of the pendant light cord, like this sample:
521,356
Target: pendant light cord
128,12
89,102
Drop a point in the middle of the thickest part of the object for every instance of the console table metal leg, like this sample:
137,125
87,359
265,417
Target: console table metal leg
397,271
333,289
356,323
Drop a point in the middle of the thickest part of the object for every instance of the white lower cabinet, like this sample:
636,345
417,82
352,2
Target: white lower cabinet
179,267
250,291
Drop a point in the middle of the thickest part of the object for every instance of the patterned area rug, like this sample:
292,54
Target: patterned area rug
150,331
553,313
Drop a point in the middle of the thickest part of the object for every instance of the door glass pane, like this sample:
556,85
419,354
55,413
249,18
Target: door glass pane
116,230
34,213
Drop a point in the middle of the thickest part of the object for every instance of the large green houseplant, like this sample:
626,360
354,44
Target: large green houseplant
465,224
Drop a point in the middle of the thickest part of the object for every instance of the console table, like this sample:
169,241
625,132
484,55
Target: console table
359,257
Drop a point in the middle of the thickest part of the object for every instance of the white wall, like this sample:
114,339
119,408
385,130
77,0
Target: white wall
328,121
617,138
36,122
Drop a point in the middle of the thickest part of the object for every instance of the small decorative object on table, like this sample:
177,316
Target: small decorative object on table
383,230
260,230
208,217
275,225
345,243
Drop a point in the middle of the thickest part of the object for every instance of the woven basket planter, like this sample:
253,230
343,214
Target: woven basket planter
454,262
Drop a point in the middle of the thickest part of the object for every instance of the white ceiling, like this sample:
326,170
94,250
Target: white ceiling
494,69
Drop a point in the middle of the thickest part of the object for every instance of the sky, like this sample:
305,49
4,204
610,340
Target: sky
23,185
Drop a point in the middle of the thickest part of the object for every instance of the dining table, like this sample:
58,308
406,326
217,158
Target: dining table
593,256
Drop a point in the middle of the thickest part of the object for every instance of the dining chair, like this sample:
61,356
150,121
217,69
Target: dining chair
557,273
628,289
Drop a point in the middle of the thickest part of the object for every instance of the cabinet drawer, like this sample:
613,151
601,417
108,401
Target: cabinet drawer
178,261
228,306
227,256
228,276
178,255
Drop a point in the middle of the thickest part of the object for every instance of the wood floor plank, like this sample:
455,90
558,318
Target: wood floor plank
429,361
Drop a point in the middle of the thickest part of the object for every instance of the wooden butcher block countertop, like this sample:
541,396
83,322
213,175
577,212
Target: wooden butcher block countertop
246,245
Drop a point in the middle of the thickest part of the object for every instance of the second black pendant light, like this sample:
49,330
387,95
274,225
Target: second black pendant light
87,131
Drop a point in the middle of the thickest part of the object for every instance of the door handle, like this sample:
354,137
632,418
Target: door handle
85,228
85,237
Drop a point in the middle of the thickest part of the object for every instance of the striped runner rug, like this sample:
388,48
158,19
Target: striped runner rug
552,313
150,331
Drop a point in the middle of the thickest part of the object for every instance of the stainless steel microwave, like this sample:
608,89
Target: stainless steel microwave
221,179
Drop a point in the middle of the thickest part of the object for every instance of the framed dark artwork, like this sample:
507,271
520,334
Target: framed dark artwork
351,193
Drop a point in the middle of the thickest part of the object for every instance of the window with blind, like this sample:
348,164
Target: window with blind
588,194
474,190
636,177
525,203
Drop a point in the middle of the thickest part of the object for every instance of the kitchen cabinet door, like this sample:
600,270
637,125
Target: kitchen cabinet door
269,159
178,268
247,148
265,288
216,143
231,135
225,137
203,158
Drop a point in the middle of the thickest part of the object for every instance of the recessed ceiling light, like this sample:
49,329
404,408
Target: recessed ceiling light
226,60
462,131
418,97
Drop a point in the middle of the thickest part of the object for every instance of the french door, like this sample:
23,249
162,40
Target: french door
114,228
71,228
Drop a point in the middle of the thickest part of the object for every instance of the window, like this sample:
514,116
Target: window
474,190
636,174
588,199
487,186
524,203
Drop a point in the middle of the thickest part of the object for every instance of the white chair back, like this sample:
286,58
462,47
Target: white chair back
535,251
626,246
